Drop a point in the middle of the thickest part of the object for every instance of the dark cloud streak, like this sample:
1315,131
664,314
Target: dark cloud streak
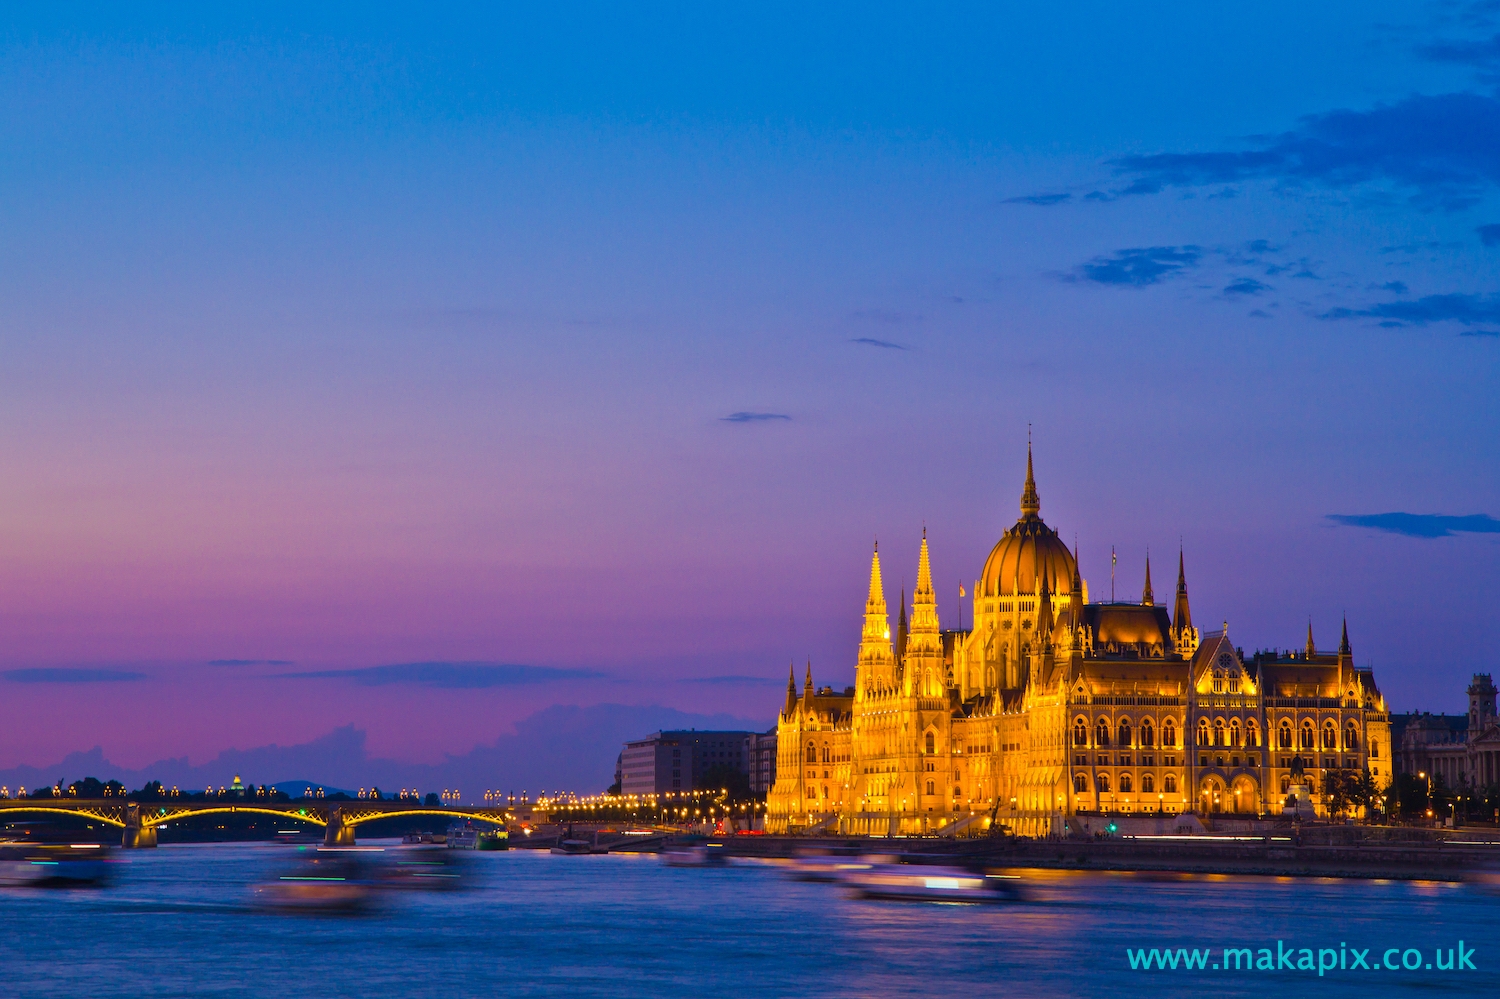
449,676
1420,525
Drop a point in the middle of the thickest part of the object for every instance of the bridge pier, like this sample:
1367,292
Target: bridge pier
336,833
136,836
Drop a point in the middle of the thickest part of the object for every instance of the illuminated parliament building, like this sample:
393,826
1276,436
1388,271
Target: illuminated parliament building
1051,706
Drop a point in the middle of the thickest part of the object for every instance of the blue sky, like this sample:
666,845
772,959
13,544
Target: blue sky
603,343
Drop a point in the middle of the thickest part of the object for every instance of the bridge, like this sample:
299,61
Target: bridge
139,820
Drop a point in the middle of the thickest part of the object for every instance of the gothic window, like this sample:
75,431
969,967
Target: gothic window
825,754
1124,732
989,679
1309,739
1236,737
1103,782
1218,681
1252,734
1080,733
812,754
1218,731
929,788
1169,783
1330,736
1284,736
1148,784
931,743
1286,784
1080,784
1351,737
1168,734
1125,784
1203,731
1101,733
1147,735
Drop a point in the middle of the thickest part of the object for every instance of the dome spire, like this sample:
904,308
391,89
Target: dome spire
1148,598
1031,503
1312,649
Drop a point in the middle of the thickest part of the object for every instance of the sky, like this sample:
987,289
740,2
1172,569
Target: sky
413,379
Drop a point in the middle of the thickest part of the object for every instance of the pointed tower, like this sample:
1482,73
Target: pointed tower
1312,649
924,644
1077,594
791,690
1148,599
807,686
1346,654
877,664
1184,635
1031,503
901,630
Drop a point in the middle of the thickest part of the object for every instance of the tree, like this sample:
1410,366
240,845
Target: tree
150,792
722,775
432,800
1336,792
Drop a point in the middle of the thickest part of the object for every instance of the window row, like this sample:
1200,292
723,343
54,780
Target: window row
1123,733
1127,784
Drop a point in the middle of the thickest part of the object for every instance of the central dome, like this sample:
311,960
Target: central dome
1027,552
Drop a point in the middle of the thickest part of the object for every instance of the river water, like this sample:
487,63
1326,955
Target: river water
178,921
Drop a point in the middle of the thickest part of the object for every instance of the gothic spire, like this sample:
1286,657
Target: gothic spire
791,687
807,687
1182,618
1311,648
1031,503
876,663
1148,598
1344,649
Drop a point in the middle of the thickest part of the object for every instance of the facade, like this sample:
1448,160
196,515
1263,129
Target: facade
1051,706
762,756
672,762
1462,750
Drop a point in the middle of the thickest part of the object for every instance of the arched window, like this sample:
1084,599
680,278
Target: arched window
1148,784
1169,783
1080,733
1168,734
1101,733
1147,734
1125,784
812,754
1252,733
1330,736
1218,681
1203,732
931,743
929,788
1080,784
1103,782
1218,731
1351,737
1236,735
1286,784
1284,734
1124,732
1309,739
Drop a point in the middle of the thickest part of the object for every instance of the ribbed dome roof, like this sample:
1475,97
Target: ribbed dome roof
1028,551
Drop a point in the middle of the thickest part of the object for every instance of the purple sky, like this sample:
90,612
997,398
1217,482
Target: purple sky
581,358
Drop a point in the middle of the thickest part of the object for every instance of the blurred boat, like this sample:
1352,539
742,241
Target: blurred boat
824,868
467,836
573,848
918,883
425,868
335,881
703,855
54,865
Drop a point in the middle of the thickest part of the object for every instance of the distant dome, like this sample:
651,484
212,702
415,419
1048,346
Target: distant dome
1028,551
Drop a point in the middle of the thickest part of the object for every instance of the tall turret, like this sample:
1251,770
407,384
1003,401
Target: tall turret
1481,705
1184,635
807,687
1312,649
877,664
1031,503
924,643
1148,598
791,689
902,630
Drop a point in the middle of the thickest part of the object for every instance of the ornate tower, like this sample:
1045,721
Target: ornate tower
877,663
1148,599
1184,635
1481,705
924,643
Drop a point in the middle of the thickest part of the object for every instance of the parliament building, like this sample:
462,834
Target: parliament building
1052,706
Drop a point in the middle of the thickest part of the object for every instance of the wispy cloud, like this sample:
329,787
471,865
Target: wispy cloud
1245,286
870,341
1445,148
748,417
48,674
1466,309
1138,267
1039,199
251,662
449,676
1420,525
